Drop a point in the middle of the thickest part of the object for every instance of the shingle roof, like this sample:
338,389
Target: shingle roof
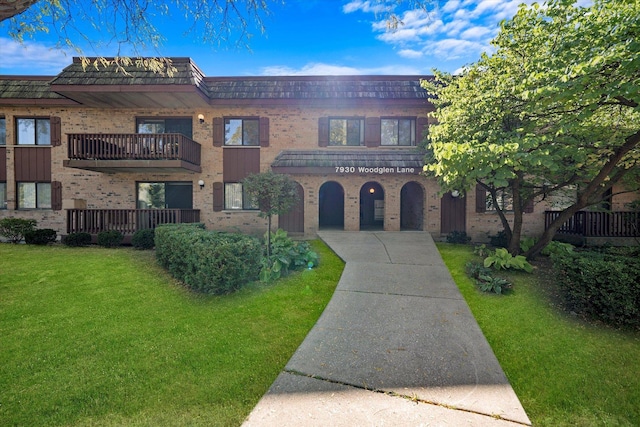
349,158
27,88
186,73
317,87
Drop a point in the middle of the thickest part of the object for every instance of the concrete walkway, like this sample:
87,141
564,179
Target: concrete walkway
396,346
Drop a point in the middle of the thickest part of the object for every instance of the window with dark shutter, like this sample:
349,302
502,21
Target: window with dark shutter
528,208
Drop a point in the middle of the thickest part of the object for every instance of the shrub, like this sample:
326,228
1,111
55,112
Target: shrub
501,259
555,248
77,239
286,255
499,240
143,239
208,261
527,243
601,286
458,237
485,280
40,237
110,238
14,229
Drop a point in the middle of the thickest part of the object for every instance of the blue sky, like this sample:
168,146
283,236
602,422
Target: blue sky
314,37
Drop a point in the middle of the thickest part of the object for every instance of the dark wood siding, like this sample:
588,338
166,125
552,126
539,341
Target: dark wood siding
238,163
32,164
372,132
3,164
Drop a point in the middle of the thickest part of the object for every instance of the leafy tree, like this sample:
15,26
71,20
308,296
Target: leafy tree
274,193
555,106
132,24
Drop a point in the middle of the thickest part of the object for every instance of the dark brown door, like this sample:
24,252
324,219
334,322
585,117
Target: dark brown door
293,222
453,213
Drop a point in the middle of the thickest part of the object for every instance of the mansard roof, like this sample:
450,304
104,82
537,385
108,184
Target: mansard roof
133,86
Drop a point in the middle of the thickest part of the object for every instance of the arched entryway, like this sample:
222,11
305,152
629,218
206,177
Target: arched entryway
331,205
371,206
293,221
411,206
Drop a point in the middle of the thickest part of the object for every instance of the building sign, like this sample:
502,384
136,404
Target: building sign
378,170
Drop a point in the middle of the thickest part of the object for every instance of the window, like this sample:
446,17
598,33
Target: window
242,132
34,131
3,195
3,131
182,125
235,199
346,132
398,132
34,195
503,199
165,195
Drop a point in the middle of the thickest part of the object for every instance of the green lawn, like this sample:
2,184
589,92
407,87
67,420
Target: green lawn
93,336
565,371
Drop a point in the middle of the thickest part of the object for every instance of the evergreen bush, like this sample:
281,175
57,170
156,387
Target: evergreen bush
208,261
143,239
14,229
77,239
110,238
41,236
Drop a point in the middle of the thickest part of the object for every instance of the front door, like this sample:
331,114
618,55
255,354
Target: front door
453,215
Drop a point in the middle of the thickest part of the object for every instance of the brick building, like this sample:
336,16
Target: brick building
89,150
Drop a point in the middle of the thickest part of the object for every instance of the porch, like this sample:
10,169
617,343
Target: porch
126,221
598,227
136,152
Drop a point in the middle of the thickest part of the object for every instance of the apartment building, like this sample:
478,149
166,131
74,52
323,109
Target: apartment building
97,149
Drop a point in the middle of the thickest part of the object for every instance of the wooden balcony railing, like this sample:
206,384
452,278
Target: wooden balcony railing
598,224
132,146
126,221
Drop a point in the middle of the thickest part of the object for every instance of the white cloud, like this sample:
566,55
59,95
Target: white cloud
322,69
410,54
364,6
20,58
455,48
475,32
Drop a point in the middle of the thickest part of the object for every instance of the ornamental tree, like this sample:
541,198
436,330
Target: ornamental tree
556,105
274,193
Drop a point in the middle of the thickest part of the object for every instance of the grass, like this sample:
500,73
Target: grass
565,371
93,336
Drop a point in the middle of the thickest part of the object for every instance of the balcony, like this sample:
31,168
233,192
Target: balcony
598,225
126,221
151,153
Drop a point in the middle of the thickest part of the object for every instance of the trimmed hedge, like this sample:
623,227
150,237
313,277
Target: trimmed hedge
14,229
42,236
208,261
602,286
